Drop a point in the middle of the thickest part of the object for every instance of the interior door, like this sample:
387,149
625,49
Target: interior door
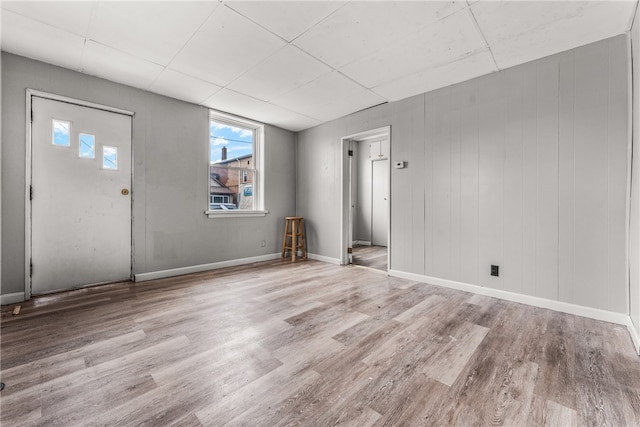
81,201
379,202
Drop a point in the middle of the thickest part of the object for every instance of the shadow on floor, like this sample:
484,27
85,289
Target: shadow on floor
370,256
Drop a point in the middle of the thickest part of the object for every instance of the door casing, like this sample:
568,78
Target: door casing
346,237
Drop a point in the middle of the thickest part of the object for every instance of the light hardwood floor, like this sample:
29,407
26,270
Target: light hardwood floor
309,344
370,256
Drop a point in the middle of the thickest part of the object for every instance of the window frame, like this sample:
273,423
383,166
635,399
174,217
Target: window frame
258,165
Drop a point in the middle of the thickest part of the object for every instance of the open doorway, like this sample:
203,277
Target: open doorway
366,199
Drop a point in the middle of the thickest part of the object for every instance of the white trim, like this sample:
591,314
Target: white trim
627,222
12,298
259,130
563,307
345,189
142,277
634,334
323,258
234,213
54,97
361,242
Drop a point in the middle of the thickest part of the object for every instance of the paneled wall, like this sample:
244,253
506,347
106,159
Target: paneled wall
525,168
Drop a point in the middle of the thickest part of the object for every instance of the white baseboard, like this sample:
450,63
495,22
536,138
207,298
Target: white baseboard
11,298
634,334
362,243
142,277
322,258
563,307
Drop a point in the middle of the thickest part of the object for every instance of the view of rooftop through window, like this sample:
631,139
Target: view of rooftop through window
238,142
232,168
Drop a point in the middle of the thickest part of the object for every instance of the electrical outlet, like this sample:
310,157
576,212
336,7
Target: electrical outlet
494,270
263,243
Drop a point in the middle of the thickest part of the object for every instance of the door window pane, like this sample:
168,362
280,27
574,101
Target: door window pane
109,157
61,133
87,146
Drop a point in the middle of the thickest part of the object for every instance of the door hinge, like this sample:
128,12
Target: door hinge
30,269
349,250
31,192
350,153
32,115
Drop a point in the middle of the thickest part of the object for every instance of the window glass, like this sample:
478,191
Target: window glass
87,146
233,160
110,157
61,133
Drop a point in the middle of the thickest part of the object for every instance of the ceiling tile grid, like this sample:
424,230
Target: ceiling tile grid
296,64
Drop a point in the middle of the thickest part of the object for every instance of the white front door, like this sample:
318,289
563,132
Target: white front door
81,200
379,202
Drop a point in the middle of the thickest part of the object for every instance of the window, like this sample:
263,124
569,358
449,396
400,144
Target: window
61,133
110,158
235,179
87,146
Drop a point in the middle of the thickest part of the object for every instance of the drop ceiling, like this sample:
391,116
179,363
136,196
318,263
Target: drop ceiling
296,64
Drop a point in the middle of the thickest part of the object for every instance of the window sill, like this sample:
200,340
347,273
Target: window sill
235,214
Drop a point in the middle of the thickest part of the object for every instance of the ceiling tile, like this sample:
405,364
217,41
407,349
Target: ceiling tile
439,43
360,28
43,42
177,85
108,63
226,46
288,19
344,106
71,16
523,31
466,68
245,106
154,33
284,71
308,98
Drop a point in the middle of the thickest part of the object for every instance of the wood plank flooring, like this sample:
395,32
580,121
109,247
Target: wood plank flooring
310,344
370,256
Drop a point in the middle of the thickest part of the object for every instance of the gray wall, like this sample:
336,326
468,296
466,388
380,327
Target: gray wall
524,168
170,146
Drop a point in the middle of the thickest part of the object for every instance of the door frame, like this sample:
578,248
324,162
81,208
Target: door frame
30,93
346,237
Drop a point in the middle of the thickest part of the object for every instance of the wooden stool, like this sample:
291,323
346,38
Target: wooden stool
294,230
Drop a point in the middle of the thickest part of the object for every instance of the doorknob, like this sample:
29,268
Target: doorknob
124,191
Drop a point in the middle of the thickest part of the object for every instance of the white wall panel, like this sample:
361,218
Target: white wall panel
529,180
512,270
491,134
591,176
566,180
440,165
408,186
524,168
465,95
547,179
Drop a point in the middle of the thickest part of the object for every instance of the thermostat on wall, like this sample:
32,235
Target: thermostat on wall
400,165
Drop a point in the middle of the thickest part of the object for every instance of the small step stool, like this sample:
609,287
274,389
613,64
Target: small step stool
294,231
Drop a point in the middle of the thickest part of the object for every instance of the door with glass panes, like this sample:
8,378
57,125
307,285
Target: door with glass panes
81,196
